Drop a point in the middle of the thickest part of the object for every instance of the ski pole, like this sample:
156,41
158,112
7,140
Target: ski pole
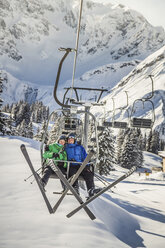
100,179
34,178
32,174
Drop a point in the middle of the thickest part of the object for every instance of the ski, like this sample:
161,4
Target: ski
73,179
102,191
69,187
26,155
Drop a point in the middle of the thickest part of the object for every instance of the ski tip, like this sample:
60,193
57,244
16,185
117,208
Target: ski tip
22,146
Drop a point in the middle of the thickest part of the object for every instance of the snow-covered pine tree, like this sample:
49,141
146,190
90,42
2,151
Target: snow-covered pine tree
14,111
148,145
91,134
130,151
23,113
145,142
30,130
155,142
162,145
41,132
36,136
2,116
120,140
45,112
38,114
21,129
54,132
107,158
140,146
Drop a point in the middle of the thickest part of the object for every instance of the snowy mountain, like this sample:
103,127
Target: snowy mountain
32,31
137,84
15,89
133,215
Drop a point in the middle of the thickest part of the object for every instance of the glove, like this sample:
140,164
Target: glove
46,148
55,155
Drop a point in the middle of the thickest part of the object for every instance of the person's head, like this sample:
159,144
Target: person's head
62,140
71,138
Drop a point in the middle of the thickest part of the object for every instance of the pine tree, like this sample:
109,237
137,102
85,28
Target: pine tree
162,145
23,113
131,151
14,111
148,146
54,132
21,129
140,146
41,132
155,142
106,152
36,136
2,117
145,142
120,141
30,130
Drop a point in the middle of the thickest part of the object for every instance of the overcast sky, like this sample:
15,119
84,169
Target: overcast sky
152,10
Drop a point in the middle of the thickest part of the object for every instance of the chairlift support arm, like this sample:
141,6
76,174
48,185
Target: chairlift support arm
67,51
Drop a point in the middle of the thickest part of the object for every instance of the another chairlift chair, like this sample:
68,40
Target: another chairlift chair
117,124
143,122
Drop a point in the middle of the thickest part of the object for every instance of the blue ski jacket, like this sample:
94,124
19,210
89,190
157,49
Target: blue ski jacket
75,152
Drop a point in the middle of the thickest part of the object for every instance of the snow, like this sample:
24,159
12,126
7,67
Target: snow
132,216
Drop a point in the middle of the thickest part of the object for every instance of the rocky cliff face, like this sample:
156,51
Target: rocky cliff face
32,31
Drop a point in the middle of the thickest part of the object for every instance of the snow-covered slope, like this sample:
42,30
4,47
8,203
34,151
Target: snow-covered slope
15,90
138,85
32,31
106,76
132,216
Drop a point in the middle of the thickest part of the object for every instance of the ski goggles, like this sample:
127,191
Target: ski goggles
71,137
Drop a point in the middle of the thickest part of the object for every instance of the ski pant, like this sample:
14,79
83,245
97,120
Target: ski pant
86,174
48,172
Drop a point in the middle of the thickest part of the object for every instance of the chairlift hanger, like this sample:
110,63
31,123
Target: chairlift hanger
143,122
117,124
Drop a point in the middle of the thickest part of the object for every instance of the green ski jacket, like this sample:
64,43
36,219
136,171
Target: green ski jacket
56,148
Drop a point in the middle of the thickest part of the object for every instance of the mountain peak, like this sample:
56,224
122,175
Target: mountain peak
32,31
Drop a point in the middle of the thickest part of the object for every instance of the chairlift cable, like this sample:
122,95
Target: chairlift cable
76,48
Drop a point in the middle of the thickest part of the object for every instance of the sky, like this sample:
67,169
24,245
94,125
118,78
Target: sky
152,10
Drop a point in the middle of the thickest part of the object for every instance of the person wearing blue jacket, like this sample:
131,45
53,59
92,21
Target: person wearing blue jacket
77,153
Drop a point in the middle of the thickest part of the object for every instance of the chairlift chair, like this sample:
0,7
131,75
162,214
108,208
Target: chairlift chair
114,123
142,122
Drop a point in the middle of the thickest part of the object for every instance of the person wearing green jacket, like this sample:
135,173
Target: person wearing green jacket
56,152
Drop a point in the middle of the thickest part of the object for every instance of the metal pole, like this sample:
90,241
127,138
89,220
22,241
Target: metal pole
76,48
86,125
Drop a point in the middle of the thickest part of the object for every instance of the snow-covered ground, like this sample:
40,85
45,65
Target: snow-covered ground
133,215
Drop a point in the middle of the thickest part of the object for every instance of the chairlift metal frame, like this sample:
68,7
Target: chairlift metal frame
77,101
